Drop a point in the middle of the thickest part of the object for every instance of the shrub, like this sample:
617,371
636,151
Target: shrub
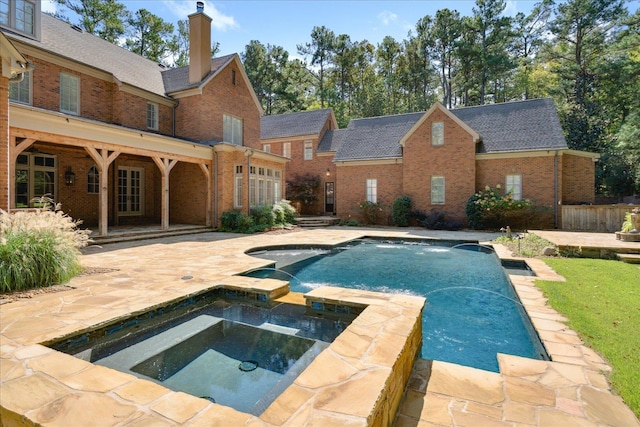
288,211
263,217
303,189
487,208
437,220
401,211
39,249
236,222
370,212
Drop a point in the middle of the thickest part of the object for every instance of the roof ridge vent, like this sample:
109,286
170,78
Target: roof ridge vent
77,28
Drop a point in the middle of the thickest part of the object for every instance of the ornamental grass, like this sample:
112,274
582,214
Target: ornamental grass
39,248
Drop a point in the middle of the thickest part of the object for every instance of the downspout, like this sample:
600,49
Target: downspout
173,118
556,202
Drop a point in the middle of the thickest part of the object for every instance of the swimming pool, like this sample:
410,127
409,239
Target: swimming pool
472,312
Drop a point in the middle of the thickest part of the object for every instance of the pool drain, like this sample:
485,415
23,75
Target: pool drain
248,365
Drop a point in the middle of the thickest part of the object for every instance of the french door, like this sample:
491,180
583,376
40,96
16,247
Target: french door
130,191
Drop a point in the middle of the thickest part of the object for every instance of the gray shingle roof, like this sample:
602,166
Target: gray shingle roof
515,126
293,124
177,79
375,137
331,140
60,38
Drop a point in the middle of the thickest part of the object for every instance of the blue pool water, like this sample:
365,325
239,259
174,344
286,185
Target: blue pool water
472,312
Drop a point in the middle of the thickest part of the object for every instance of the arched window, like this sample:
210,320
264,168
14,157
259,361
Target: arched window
93,180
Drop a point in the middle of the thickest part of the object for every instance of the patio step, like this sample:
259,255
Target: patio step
629,258
317,221
147,234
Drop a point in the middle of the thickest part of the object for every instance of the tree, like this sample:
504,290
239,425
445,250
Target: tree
103,18
387,55
528,38
493,31
320,50
150,36
446,32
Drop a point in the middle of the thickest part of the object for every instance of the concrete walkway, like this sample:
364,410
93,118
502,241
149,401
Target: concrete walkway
42,386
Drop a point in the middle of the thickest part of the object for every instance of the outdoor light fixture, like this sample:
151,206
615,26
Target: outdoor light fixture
69,177
328,172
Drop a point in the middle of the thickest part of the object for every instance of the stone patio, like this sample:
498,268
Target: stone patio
359,380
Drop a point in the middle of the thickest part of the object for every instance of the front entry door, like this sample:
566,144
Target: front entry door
329,197
130,191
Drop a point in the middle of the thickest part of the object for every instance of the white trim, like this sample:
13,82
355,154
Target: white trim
392,161
535,153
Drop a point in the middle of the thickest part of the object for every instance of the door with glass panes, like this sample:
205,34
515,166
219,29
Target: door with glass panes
130,191
35,177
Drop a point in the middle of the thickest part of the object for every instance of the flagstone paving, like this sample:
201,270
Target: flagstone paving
359,380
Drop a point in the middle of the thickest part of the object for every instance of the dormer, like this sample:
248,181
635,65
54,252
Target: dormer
21,17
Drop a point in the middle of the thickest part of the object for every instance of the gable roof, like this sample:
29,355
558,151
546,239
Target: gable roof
60,38
375,137
177,79
331,140
295,124
515,126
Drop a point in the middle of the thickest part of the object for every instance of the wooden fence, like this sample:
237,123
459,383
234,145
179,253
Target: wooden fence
595,218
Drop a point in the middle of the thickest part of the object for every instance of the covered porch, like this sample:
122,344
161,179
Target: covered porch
108,176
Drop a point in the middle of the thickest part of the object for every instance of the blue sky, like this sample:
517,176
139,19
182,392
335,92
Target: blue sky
287,23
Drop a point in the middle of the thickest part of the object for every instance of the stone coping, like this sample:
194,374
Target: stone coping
350,383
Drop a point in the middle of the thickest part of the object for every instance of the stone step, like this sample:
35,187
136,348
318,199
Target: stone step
144,235
629,258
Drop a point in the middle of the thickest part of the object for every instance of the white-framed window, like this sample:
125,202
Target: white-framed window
69,93
93,180
277,186
35,177
308,150
152,116
237,191
286,149
514,186
20,15
21,91
437,190
232,129
437,133
372,190
25,16
266,148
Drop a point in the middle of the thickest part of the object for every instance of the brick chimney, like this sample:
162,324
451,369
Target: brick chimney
199,44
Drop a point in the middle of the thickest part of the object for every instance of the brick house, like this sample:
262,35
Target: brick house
439,157
119,139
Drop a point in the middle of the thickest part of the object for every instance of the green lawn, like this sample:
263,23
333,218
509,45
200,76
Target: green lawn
601,298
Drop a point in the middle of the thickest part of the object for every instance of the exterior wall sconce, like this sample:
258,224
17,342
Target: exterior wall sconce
69,177
328,172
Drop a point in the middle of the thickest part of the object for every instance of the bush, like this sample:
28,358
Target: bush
370,212
488,209
401,211
437,220
39,249
262,218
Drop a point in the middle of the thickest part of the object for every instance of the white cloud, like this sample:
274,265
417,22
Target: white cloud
48,6
219,21
511,8
387,17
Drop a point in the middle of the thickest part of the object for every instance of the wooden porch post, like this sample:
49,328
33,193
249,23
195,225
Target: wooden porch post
165,165
103,159
15,148
207,174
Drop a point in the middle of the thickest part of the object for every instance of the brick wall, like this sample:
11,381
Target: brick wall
4,141
537,176
578,180
200,116
455,161
351,189
187,194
